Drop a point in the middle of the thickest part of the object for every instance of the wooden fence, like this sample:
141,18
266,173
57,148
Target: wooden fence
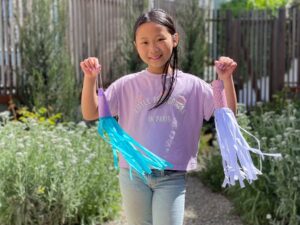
266,47
8,48
265,44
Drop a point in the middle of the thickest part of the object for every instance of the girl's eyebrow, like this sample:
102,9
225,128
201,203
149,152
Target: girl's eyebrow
158,35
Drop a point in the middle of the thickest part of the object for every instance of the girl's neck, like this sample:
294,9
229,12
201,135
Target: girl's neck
159,71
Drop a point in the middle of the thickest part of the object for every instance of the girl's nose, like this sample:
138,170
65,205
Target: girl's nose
154,47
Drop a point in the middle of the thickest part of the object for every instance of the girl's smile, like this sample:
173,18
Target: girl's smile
154,58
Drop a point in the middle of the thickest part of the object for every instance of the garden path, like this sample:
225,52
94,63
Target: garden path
203,207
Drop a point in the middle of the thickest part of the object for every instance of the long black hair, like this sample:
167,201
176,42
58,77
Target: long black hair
159,16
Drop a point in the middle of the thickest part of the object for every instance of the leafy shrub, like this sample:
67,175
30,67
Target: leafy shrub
53,175
47,76
126,59
274,197
41,115
209,158
195,47
241,5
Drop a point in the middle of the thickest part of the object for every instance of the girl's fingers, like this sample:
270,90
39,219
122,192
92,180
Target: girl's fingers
86,69
83,66
97,69
225,66
90,66
96,62
220,65
225,63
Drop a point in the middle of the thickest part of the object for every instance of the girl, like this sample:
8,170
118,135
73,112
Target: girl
162,108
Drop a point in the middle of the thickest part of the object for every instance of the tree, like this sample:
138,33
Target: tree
47,78
240,5
126,59
191,19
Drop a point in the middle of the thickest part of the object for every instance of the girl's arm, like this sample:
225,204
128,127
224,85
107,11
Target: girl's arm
225,67
89,99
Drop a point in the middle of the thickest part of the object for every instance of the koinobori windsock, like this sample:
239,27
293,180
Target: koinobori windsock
235,151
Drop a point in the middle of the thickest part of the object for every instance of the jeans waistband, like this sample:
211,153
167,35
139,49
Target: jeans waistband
165,172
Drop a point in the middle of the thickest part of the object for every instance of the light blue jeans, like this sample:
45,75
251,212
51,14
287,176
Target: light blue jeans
159,201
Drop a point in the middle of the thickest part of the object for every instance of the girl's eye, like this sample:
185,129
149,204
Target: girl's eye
144,43
161,39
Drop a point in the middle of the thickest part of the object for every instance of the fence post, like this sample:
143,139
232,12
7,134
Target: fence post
278,53
228,29
297,46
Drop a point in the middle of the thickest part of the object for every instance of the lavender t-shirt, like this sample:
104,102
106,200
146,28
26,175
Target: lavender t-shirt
172,130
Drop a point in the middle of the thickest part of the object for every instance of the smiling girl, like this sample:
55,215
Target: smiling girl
163,108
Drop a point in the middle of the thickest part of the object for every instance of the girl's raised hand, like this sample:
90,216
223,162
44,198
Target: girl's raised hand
90,67
225,67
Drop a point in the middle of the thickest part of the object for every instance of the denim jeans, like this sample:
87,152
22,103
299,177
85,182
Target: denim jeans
158,201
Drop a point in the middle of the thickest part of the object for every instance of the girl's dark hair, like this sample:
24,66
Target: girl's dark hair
159,16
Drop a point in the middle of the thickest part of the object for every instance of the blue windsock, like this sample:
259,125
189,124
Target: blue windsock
139,158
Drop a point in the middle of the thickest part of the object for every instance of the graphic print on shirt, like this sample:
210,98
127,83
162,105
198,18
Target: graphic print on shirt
162,117
146,103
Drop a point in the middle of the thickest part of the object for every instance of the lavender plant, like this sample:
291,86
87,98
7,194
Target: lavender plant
53,175
274,198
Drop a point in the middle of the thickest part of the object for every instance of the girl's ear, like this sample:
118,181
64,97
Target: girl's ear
135,47
175,39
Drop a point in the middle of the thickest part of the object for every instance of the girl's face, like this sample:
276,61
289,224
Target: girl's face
155,44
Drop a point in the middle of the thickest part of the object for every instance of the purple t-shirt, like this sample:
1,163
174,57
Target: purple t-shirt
172,130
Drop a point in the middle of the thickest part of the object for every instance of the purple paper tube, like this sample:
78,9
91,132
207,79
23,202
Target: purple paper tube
103,108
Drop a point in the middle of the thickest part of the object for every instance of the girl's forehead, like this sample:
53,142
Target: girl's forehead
150,29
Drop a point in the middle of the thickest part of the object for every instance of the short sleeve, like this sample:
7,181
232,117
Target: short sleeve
208,101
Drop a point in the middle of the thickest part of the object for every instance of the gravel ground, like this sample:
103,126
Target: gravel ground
203,207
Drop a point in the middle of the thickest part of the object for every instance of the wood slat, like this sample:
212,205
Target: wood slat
2,51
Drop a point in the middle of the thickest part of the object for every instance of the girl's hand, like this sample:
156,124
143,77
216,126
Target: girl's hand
90,67
225,67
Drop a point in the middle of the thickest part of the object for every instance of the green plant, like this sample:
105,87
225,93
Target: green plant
126,59
41,115
55,175
47,76
266,4
273,198
241,5
212,174
191,19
